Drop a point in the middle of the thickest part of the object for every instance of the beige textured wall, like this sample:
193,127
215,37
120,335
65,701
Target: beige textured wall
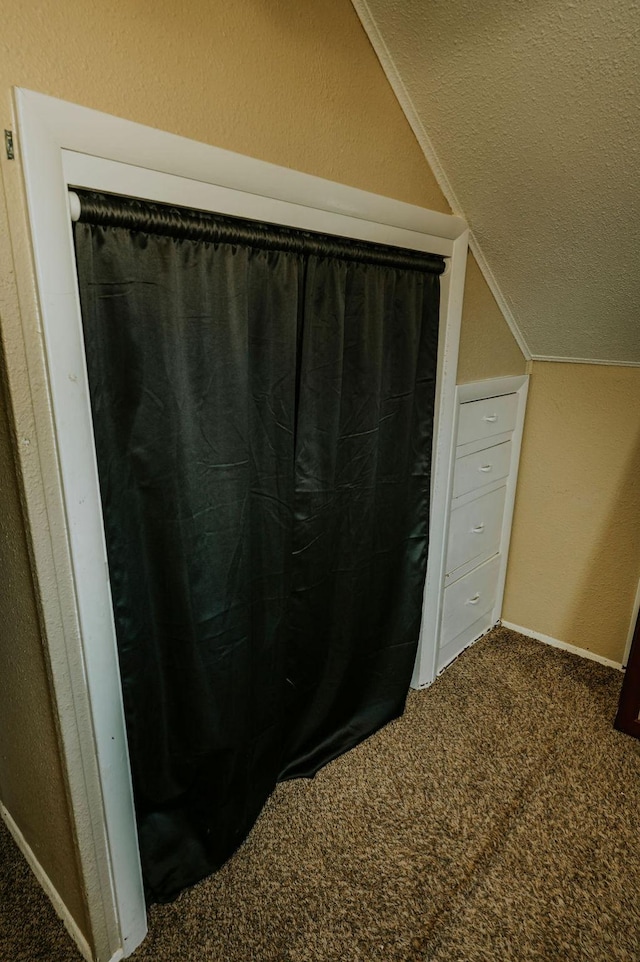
293,83
32,785
487,346
575,552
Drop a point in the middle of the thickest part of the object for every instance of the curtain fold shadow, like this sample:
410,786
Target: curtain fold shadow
263,414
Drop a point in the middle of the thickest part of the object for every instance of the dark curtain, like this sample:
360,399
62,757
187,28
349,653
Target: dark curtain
263,408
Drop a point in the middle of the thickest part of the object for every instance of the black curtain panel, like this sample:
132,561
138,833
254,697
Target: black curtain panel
262,402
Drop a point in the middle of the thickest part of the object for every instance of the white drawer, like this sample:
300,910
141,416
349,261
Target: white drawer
482,419
475,470
468,599
453,648
475,529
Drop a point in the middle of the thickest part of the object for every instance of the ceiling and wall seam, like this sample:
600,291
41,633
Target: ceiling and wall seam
583,360
406,103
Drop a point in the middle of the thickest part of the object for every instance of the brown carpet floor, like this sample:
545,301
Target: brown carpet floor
497,821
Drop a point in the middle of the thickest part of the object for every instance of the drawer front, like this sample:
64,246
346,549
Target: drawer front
475,470
475,529
453,648
468,599
483,419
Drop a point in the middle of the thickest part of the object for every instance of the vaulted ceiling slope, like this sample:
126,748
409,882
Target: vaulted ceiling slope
529,113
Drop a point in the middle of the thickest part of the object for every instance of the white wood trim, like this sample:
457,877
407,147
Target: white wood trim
84,662
491,387
563,645
516,446
583,360
632,626
64,143
445,418
406,103
91,172
101,135
49,888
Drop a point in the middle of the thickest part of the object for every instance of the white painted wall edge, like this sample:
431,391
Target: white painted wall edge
406,103
563,645
49,888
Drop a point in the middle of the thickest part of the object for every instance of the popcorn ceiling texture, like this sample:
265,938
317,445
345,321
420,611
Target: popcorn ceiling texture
533,110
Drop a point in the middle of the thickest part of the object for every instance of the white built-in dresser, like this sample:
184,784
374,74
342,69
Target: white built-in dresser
487,434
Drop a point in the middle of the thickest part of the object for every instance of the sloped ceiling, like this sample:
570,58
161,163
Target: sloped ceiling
529,113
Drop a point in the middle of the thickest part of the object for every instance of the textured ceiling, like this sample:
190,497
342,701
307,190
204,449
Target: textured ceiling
529,111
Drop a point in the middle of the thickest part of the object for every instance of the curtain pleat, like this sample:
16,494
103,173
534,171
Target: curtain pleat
263,423
361,502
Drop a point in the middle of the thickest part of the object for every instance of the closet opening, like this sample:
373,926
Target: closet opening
65,145
262,405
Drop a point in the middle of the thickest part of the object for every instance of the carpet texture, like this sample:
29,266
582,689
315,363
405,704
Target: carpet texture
498,820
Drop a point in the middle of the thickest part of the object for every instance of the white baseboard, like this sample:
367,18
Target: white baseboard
555,643
50,889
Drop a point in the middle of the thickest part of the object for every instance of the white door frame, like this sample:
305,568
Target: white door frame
62,144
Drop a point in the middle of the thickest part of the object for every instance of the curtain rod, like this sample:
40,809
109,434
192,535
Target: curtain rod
111,210
74,205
